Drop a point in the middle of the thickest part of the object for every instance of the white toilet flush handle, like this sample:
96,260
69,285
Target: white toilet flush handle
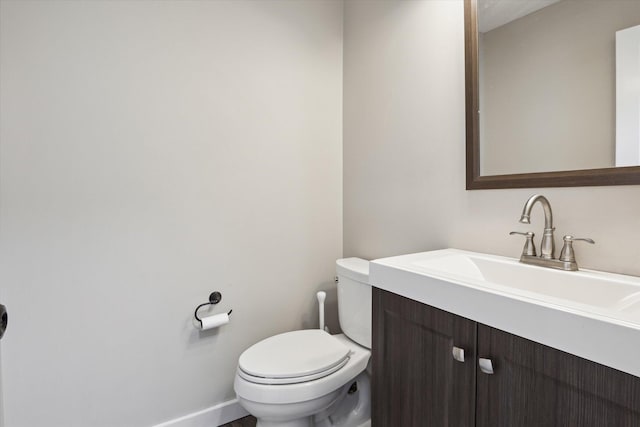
321,297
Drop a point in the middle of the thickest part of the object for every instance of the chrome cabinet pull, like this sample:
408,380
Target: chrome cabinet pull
486,365
458,353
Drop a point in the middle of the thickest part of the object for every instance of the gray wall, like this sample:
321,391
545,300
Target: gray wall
152,152
550,80
404,136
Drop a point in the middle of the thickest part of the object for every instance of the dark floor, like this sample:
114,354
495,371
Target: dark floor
242,422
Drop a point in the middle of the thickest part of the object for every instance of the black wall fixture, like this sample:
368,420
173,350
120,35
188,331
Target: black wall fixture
4,320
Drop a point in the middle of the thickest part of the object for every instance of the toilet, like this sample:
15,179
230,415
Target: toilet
309,378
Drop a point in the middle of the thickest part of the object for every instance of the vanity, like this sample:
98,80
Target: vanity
469,339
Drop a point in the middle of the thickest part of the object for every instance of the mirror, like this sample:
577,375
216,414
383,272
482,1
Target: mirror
552,93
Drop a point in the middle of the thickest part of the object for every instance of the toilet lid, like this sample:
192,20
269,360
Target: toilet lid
305,355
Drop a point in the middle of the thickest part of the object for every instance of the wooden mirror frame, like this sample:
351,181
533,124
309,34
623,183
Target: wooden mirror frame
575,178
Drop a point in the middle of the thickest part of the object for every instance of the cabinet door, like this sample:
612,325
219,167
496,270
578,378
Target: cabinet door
536,385
416,380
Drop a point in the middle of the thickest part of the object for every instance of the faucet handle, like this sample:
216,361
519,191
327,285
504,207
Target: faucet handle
529,247
567,253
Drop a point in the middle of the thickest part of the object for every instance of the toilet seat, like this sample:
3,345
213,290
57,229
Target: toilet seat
275,394
292,380
293,357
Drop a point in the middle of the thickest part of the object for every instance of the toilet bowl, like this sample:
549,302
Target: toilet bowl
309,378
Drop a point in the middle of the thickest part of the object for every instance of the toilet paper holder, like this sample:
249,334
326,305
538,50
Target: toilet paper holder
214,298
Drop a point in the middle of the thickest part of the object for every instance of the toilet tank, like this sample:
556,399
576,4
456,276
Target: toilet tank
354,299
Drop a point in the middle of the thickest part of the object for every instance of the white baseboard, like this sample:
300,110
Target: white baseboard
214,416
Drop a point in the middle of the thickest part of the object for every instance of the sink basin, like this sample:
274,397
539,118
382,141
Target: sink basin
599,290
592,314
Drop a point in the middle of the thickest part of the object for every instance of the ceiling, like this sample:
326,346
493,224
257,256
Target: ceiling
495,13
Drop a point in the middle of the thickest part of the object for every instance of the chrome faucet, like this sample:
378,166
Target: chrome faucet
547,246
567,260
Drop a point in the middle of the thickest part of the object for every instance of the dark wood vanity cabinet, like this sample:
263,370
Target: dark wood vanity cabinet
536,385
417,381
